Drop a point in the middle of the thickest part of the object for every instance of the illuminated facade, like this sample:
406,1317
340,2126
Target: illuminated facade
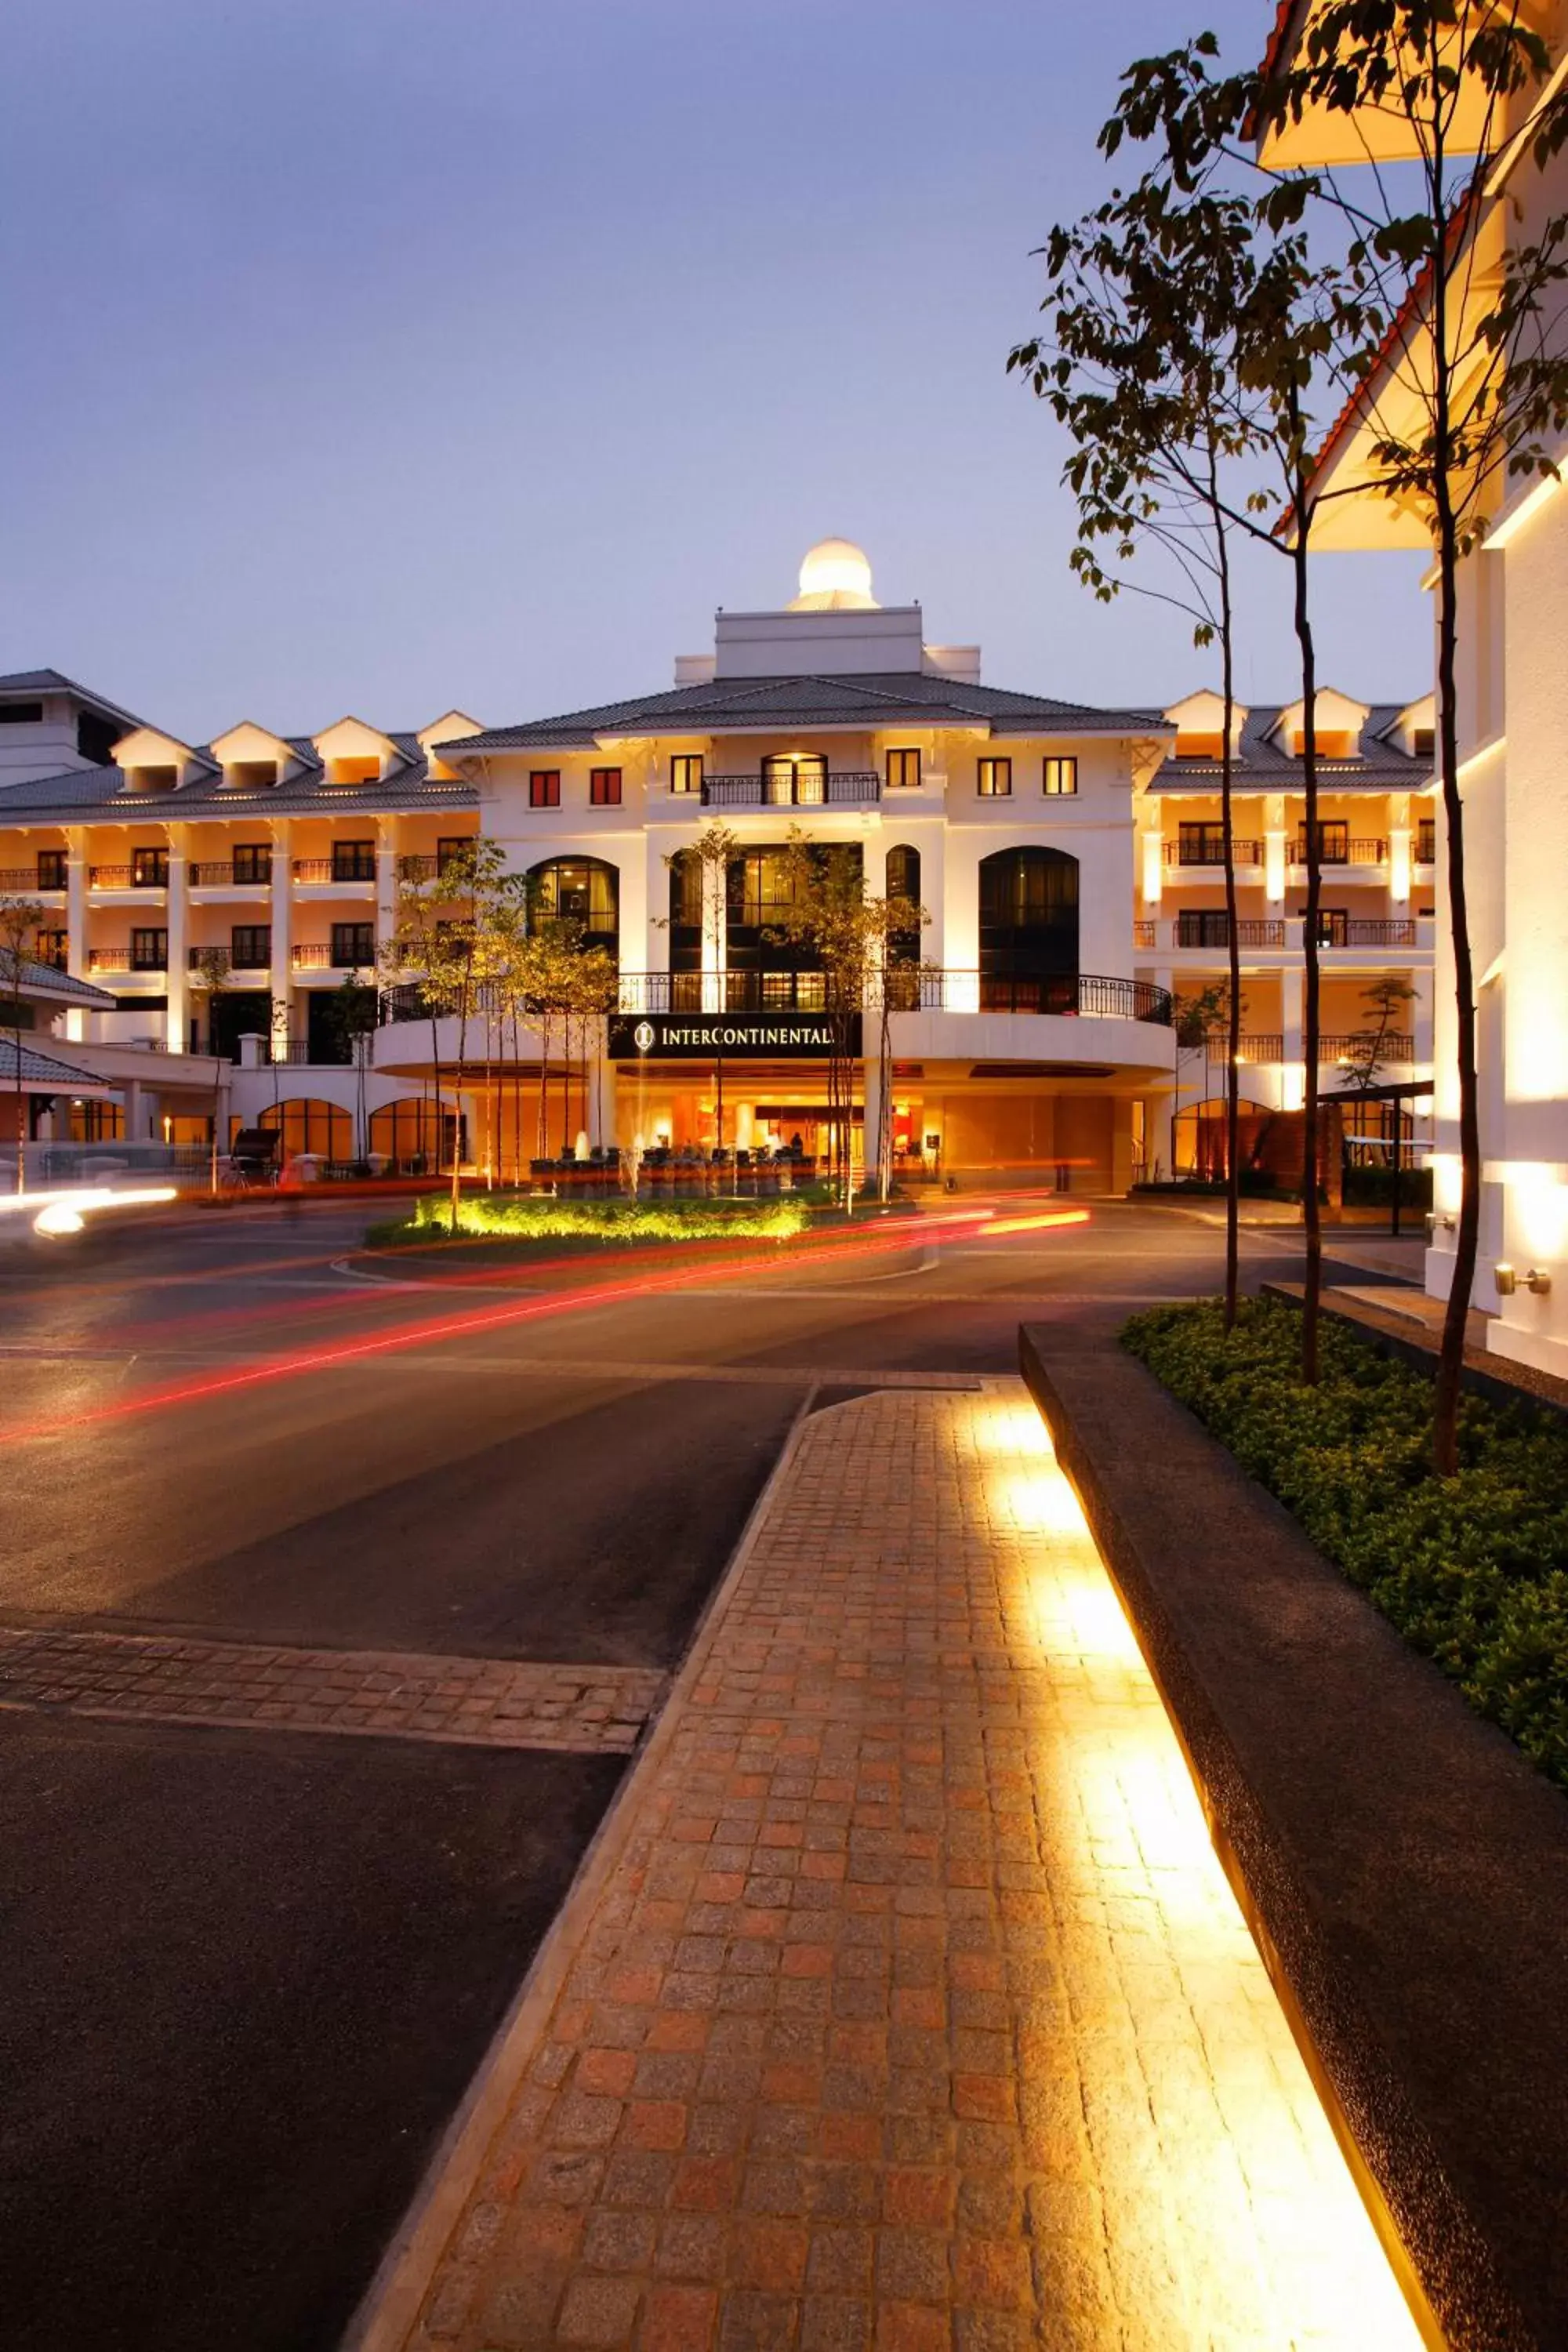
1064,855
1514,724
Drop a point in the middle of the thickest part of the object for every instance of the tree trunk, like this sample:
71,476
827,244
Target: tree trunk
1311,1217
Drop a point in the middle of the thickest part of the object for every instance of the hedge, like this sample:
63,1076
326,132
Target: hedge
497,1216
1472,1570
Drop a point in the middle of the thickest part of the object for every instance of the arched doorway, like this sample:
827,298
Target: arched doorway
309,1125
412,1138
1028,931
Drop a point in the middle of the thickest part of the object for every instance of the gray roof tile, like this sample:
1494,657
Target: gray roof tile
1262,767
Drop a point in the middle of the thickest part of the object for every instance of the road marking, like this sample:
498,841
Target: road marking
579,1710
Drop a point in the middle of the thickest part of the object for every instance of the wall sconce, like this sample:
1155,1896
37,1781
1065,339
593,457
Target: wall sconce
1437,1221
1535,1278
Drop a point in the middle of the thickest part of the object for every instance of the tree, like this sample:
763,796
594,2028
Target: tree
895,923
1196,1015
209,975
1303,324
19,921
1466,386
354,1010
1386,999
827,911
442,922
1140,366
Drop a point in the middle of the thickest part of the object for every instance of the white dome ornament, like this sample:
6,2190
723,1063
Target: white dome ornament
835,577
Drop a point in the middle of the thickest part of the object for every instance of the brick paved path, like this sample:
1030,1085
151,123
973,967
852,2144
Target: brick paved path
482,1702
916,2012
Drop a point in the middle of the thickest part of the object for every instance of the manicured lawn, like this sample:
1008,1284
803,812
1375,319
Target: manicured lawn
1473,1569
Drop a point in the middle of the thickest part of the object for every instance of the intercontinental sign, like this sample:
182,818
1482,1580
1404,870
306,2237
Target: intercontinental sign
702,1036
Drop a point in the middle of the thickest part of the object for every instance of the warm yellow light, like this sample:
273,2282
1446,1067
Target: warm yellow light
835,575
1520,517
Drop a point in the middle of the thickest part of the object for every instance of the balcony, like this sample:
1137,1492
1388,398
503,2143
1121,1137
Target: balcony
222,961
913,988
1265,1045
309,955
1208,853
327,873
1343,849
124,958
849,788
25,882
1367,931
1202,927
128,878
218,874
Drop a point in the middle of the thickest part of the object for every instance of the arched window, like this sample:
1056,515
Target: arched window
686,874
323,1129
406,1133
904,873
1029,930
583,891
903,881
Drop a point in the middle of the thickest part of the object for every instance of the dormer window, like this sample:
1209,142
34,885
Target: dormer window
1199,721
251,775
155,780
356,772
1337,722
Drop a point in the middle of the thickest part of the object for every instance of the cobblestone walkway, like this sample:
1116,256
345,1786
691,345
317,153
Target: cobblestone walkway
480,1702
915,2011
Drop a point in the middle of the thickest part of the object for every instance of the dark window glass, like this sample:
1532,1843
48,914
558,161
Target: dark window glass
253,861
149,950
51,948
995,780
545,788
149,868
452,849
21,714
1028,922
686,772
251,945
354,945
1200,927
603,788
579,890
1200,843
1059,778
354,861
1333,841
96,738
903,771
51,869
1333,927
1424,742
904,882
789,782
1426,840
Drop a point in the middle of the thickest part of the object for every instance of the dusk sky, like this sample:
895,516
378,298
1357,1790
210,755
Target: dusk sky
384,355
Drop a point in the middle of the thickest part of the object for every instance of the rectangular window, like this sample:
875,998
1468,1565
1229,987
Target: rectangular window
686,772
1059,778
354,861
354,945
149,950
1424,742
1426,841
52,948
1333,927
1333,841
21,714
452,849
603,788
150,869
995,779
250,946
253,861
545,788
903,771
51,869
1200,843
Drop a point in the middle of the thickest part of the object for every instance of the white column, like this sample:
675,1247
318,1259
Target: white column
1293,1072
282,919
135,1120
385,878
178,976
1276,850
76,922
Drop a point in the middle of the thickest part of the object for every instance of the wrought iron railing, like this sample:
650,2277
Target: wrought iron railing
1206,927
846,788
25,879
218,874
310,955
327,869
127,877
1362,849
911,987
1394,1047
1208,853
1381,931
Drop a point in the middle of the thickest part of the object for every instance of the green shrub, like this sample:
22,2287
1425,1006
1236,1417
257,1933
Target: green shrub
506,1216
1472,1570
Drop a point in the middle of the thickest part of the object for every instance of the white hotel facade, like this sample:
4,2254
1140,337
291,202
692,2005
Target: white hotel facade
1067,856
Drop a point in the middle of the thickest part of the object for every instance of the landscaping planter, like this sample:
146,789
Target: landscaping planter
1404,1868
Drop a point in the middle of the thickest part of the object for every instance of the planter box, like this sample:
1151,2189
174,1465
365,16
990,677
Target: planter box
1403,1868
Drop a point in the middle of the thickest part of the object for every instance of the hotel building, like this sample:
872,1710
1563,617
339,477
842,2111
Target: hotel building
1065,856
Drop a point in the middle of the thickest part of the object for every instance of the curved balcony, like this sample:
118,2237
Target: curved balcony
911,987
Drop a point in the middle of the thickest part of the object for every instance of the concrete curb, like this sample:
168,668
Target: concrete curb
389,2309
1404,1869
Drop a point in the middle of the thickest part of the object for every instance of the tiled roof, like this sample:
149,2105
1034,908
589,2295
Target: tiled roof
1261,766
42,1070
104,793
874,700
54,681
47,980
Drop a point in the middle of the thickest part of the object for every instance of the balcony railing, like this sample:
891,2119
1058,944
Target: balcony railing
1204,927
224,960
849,788
1203,853
326,869
419,867
218,874
1143,934
911,987
310,955
1379,931
126,877
25,881
1396,1048
122,959
1363,849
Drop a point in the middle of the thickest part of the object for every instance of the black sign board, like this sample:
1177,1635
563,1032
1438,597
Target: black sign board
703,1036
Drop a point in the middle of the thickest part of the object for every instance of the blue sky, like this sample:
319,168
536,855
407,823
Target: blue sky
387,354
